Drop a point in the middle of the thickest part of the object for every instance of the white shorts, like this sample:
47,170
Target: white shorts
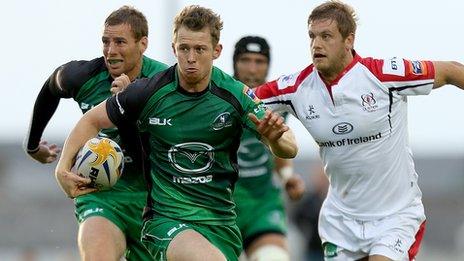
397,236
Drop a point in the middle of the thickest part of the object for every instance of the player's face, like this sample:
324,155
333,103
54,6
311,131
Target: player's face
252,68
123,54
329,50
195,53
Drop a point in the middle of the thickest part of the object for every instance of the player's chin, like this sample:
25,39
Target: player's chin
115,66
116,71
192,78
320,65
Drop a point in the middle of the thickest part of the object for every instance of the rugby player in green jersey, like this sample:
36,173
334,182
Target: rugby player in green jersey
193,115
259,204
109,221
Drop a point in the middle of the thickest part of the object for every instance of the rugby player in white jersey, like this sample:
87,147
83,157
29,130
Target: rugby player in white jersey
356,110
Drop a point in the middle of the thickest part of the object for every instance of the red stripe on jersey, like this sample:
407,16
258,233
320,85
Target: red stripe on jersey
375,67
306,71
414,249
267,90
271,89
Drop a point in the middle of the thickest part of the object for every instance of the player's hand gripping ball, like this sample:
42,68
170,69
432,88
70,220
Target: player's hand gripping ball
101,160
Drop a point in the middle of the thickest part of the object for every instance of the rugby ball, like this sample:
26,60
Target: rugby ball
101,160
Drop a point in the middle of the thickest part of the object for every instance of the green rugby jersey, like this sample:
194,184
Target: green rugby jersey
89,83
193,140
256,166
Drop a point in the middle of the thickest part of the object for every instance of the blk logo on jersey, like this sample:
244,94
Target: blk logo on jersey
223,120
342,128
160,122
368,102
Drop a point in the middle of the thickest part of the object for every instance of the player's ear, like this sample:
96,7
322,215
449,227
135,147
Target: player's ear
143,44
217,51
173,46
349,41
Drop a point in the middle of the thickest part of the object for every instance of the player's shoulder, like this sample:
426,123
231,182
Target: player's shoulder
75,73
148,86
150,66
286,83
226,82
232,91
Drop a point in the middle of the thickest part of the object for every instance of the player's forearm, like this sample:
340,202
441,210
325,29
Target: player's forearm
83,131
284,147
44,108
86,128
449,73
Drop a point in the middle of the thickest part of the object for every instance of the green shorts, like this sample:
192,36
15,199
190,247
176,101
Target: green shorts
124,209
257,216
159,231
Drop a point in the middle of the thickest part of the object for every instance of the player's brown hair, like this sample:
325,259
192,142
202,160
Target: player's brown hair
195,18
131,16
342,13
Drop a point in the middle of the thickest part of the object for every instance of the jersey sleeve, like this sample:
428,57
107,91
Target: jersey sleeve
278,95
45,105
59,81
69,78
125,107
272,96
64,82
251,104
405,77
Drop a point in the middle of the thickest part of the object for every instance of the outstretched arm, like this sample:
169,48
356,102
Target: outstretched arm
86,128
448,73
44,108
276,134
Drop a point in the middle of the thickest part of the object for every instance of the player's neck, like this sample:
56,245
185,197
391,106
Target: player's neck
135,72
198,86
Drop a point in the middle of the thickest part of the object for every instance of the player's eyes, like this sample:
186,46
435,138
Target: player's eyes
200,49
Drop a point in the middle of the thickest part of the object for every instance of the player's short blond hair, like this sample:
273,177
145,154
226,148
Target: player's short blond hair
195,18
343,14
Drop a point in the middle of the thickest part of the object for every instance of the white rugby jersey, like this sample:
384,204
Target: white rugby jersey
359,122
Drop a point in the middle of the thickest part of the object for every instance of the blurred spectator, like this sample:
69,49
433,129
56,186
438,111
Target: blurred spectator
29,253
306,213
